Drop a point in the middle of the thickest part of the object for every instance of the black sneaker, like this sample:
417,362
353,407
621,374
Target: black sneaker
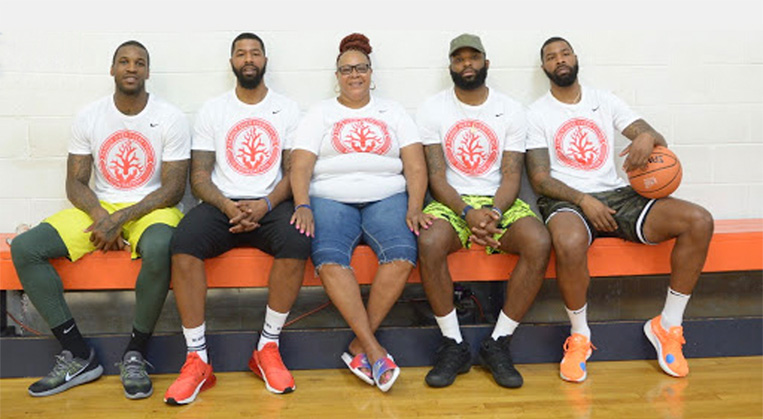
496,357
67,373
452,359
135,380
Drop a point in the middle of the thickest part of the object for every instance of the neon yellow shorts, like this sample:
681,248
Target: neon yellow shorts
518,210
71,224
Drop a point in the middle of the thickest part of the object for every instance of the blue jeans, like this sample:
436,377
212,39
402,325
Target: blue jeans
340,227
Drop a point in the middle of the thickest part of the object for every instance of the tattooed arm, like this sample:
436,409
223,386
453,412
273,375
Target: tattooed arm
106,231
78,169
441,190
539,170
202,163
643,139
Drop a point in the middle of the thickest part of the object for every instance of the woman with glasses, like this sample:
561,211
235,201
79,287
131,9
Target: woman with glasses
358,176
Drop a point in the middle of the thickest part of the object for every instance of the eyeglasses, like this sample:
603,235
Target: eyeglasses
346,70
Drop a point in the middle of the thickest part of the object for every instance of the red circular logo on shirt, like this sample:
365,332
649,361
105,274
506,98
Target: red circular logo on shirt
361,135
126,159
581,144
252,146
471,147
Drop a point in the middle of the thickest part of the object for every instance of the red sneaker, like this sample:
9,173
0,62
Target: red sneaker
267,364
195,376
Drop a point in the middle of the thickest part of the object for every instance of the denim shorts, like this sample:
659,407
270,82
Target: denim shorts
340,227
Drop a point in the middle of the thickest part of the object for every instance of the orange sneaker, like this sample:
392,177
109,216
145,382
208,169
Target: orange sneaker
668,344
577,350
195,376
267,364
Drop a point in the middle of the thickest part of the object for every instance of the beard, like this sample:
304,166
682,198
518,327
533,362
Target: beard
250,82
565,80
131,91
477,81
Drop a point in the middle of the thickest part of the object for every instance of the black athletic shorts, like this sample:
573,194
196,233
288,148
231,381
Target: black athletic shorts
203,233
632,210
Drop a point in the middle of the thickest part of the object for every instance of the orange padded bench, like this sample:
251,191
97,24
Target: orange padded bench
737,245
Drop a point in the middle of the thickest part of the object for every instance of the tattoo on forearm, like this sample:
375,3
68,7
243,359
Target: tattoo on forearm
435,159
511,163
78,170
639,127
174,175
539,170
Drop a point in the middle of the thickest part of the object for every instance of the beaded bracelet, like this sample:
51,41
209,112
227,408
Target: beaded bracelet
267,201
497,211
303,206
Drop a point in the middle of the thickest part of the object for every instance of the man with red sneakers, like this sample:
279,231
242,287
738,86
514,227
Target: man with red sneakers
239,170
583,197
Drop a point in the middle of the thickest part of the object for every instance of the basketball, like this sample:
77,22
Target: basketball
660,177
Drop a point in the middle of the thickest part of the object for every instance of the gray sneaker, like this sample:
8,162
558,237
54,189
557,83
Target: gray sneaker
132,371
67,373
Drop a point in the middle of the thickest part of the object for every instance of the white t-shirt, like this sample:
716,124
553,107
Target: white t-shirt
580,137
473,138
248,141
358,149
128,151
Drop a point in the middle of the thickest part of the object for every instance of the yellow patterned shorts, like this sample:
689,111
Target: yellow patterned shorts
518,210
71,224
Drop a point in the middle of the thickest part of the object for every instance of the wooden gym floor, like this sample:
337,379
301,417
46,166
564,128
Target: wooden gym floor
716,388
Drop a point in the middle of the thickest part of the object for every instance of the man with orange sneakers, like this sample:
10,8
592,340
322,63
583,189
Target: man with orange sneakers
583,197
239,169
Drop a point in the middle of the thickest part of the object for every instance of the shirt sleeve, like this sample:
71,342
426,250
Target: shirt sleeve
536,135
407,132
79,143
427,124
177,140
204,133
622,114
292,123
516,132
310,131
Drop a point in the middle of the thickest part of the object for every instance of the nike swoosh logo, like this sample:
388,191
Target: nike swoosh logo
69,377
68,329
596,108
498,115
276,111
153,125
382,110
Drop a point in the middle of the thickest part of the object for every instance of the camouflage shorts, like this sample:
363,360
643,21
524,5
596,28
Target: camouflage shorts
518,210
631,208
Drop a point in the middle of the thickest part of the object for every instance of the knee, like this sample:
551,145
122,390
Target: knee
701,223
22,250
537,246
570,248
432,246
154,246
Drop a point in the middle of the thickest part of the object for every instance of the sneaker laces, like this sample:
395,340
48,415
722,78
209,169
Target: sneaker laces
192,368
449,354
134,368
270,357
675,339
575,346
62,364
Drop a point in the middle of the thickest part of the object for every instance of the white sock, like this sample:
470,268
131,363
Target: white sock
504,326
271,329
449,326
579,321
673,312
196,342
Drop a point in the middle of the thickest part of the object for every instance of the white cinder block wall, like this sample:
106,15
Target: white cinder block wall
701,85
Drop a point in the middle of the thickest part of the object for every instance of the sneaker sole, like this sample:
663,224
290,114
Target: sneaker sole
658,348
451,380
139,395
83,378
204,385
